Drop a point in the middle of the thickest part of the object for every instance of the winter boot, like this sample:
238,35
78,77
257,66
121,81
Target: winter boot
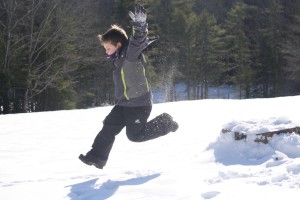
173,126
92,160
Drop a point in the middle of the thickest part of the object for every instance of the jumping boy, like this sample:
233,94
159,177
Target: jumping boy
132,91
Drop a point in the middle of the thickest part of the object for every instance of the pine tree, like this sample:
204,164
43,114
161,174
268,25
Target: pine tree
291,48
272,36
166,62
238,49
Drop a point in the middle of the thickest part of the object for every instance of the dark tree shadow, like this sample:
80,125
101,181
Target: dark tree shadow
86,190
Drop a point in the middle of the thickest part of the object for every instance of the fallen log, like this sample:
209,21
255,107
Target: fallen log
263,137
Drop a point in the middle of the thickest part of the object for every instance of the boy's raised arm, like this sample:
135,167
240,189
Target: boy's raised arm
139,41
139,16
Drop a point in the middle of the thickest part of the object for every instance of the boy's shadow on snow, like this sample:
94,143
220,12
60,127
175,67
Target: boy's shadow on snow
88,189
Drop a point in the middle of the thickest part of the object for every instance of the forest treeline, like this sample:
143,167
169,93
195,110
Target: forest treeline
50,58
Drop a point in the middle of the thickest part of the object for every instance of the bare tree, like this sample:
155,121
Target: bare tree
9,21
47,57
11,18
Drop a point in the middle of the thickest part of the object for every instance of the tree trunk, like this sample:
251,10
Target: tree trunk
5,103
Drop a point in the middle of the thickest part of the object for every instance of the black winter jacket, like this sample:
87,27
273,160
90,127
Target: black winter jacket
131,74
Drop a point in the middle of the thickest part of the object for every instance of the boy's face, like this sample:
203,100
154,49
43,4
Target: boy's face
110,48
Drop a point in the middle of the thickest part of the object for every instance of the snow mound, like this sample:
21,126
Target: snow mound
246,150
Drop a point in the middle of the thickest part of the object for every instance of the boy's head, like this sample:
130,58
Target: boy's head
113,39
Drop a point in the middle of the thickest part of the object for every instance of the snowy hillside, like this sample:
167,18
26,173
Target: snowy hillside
39,154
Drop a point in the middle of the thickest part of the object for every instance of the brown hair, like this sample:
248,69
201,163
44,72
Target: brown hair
114,35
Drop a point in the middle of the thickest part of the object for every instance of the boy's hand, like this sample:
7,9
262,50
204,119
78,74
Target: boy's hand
139,15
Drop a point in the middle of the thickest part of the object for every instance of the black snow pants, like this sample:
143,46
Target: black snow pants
137,128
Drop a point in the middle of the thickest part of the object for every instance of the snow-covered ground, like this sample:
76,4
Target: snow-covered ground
39,154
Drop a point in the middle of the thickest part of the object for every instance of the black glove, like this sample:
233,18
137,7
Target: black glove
139,16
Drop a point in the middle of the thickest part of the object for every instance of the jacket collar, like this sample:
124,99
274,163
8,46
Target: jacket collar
118,52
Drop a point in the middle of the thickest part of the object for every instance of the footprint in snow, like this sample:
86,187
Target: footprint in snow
209,195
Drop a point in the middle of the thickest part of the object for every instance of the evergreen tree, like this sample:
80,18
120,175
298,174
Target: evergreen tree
207,51
166,60
272,35
291,49
216,8
238,49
